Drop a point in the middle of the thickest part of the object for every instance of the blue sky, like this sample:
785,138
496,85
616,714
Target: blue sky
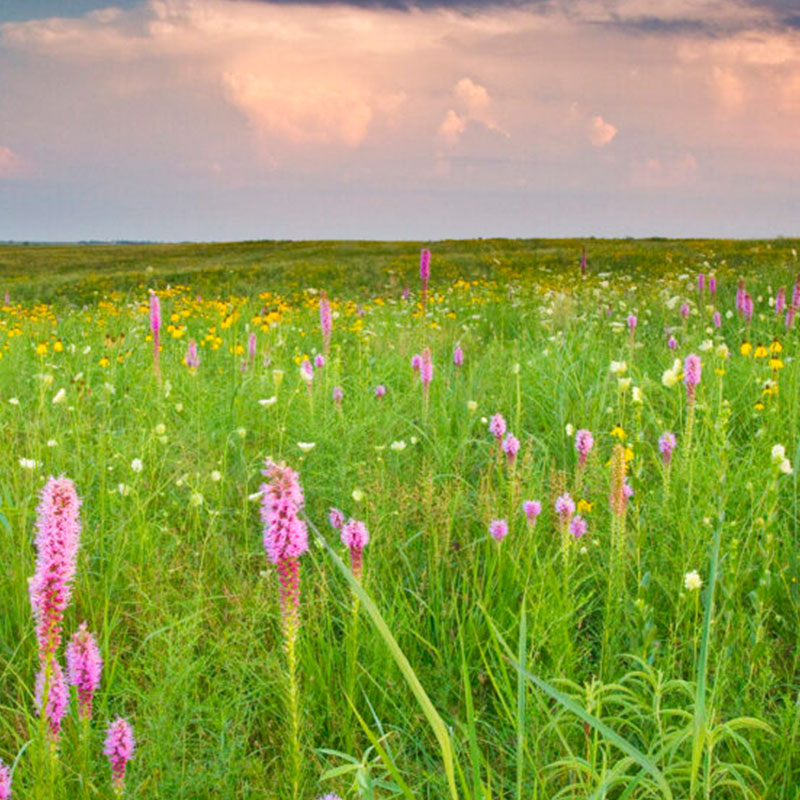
230,119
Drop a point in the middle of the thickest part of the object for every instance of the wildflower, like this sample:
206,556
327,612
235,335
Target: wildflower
618,367
155,326
136,465
761,351
701,281
532,509
705,346
123,489
268,401
584,506
57,695
497,425
119,747
398,446
692,372
196,499
335,517
380,390
59,396
160,429
624,384
672,343
618,432
306,447
355,536
577,527
717,319
325,321
780,301
637,396
472,406
14,401
565,506
52,443
58,529
618,499
84,667
216,475
785,466
5,773
338,394
712,284
569,429
426,369
192,359
329,796
685,310
584,442
632,322
29,463
424,274
498,529
510,447
692,581
458,356
307,372
416,362
358,495
666,444
252,347
319,361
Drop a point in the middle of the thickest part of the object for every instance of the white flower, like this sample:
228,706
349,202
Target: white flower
52,443
179,407
785,466
569,429
638,398
729,314
624,384
195,499
167,388
241,432
357,495
778,453
692,581
413,440
618,367
306,447
669,378
14,401
109,387
160,429
123,489
59,396
86,350
472,406
722,351
705,346
255,496
398,446
268,401
216,476
136,465
29,463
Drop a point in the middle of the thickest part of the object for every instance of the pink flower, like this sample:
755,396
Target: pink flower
458,356
790,312
119,747
565,506
666,444
325,321
355,537
712,285
701,282
406,292
425,266
84,667
717,319
380,390
632,322
252,346
532,509
748,307
510,447
672,343
498,529
307,372
578,526
584,442
780,301
330,796
416,362
192,360
155,313
685,310
692,369
497,425
583,261
796,294
5,773
56,692
338,394
740,294
58,529
319,361
335,517
426,369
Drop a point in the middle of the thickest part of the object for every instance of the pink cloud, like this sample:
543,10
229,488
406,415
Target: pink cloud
664,174
601,132
11,165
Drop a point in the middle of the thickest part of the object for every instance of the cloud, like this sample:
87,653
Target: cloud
11,165
474,105
601,132
655,173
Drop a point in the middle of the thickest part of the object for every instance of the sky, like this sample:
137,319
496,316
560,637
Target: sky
173,120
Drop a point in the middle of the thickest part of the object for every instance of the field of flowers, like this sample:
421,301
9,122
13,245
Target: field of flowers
503,519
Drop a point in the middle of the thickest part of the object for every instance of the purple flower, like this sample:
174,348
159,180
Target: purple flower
717,319
425,266
84,667
155,313
497,426
685,310
330,796
380,390
578,526
565,506
406,292
498,529
458,356
510,447
58,529
325,322
583,261
584,442
57,695
748,307
666,444
426,369
5,773
335,517
790,312
712,284
780,301
319,361
355,537
532,509
307,372
740,295
692,369
672,343
416,362
796,294
701,283
285,534
252,346
632,322
338,394
119,747
192,360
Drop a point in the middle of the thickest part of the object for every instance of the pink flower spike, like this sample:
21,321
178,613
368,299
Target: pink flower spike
666,444
58,529
57,696
330,796
425,266
498,529
712,285
510,447
119,747
685,311
285,534
717,319
5,777
319,361
192,360
155,313
532,509
565,506
355,537
584,442
701,282
692,369
252,346
416,362
325,321
336,518
458,356
780,301
84,667
578,527
632,322
380,390
672,343
497,426
338,394
426,368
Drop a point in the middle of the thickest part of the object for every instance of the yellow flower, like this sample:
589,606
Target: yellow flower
776,347
584,506
103,362
618,432
628,454
719,371
746,348
761,351
58,347
41,349
759,406
776,363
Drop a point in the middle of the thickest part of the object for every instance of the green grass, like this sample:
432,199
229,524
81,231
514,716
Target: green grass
481,670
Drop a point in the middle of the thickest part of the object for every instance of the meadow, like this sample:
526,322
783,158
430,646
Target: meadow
579,487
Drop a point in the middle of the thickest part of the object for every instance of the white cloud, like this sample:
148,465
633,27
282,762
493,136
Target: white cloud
11,165
601,132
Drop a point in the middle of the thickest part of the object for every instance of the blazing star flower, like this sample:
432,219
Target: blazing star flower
119,747
325,321
406,292
425,266
692,369
685,310
672,343
416,362
57,696
531,509
5,773
426,369
338,394
458,356
577,527
584,442
717,319
740,295
748,307
307,372
355,537
58,529
380,390
84,667
510,447
780,301
252,346
192,360
330,796
666,444
565,506
319,361
632,322
155,326
701,283
497,425
498,529
335,517
712,285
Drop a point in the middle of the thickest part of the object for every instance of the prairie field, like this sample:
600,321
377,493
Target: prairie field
579,487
